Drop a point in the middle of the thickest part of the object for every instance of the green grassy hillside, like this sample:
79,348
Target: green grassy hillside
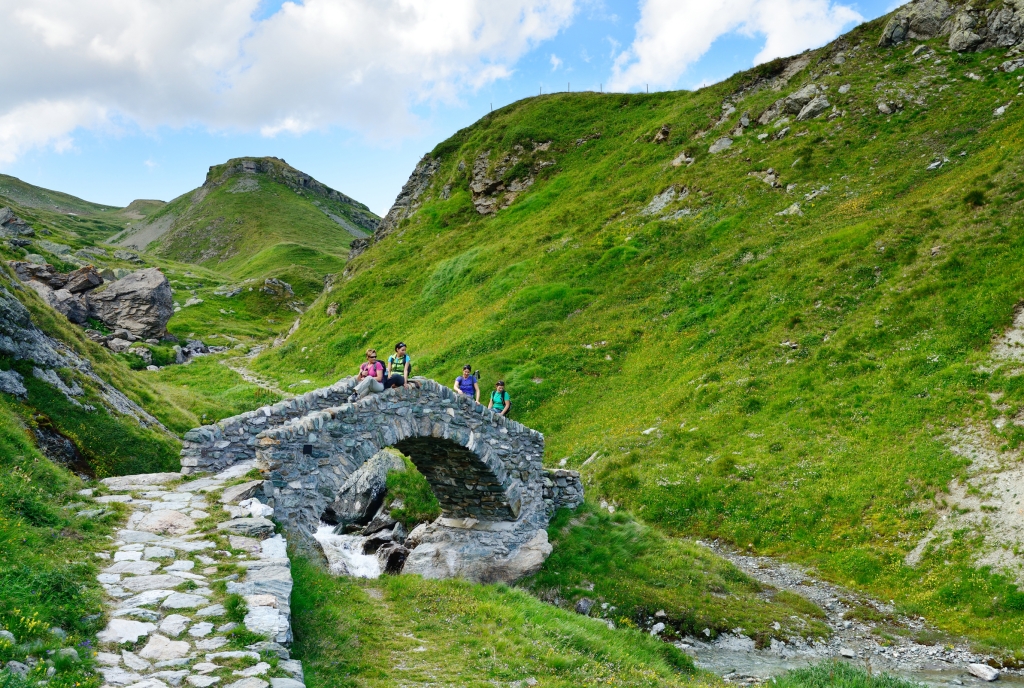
783,381
252,214
32,196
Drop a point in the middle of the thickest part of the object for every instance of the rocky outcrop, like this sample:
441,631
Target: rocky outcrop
140,303
407,203
919,20
12,226
496,187
968,28
21,340
62,292
793,104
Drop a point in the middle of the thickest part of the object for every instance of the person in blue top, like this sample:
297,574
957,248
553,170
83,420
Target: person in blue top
399,367
467,383
500,400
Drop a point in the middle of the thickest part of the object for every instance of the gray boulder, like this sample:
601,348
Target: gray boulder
18,668
815,107
118,345
70,305
11,382
795,102
83,280
391,558
140,302
363,493
13,226
720,145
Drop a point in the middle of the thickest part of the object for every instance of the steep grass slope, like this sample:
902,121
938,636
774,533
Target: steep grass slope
738,366
258,210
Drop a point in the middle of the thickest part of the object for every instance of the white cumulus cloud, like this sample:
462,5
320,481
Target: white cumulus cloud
362,64
673,34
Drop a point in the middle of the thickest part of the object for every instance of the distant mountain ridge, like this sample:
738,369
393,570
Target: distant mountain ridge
32,196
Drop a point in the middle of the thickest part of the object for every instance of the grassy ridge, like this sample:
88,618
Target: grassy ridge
796,373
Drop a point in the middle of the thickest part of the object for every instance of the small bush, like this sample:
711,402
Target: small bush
975,198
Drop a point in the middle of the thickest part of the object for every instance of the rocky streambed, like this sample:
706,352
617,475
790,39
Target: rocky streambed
894,644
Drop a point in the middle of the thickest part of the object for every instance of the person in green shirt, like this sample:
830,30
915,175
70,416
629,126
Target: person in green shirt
500,401
399,367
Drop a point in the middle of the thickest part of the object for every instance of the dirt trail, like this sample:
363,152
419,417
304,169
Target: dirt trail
895,644
237,364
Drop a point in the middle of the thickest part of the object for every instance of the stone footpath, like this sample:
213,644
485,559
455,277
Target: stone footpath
178,573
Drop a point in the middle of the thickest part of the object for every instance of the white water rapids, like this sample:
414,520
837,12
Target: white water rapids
345,553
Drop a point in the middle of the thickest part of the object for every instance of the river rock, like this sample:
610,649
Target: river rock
124,631
166,522
391,558
140,302
363,492
983,671
161,648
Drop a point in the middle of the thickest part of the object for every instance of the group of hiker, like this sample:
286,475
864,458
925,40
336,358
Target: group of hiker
374,377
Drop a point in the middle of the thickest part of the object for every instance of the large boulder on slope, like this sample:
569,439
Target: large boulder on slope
140,303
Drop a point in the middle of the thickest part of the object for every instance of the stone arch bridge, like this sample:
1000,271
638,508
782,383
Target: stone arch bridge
486,470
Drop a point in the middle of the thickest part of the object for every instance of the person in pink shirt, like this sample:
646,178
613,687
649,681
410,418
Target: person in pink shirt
371,376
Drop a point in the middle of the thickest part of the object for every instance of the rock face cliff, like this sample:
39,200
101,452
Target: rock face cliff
408,201
970,28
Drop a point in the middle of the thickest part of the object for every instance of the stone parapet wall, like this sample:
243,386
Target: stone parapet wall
212,448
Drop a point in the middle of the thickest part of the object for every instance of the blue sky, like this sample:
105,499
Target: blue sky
357,116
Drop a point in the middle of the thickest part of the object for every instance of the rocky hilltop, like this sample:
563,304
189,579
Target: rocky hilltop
249,205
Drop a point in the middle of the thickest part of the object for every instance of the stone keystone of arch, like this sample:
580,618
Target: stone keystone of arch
486,471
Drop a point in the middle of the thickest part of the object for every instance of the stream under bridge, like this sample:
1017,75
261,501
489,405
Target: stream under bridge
486,470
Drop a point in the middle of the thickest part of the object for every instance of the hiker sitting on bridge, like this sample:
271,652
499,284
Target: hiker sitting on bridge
500,400
399,367
467,383
371,376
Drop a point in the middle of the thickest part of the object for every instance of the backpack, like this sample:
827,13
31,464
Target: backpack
401,370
